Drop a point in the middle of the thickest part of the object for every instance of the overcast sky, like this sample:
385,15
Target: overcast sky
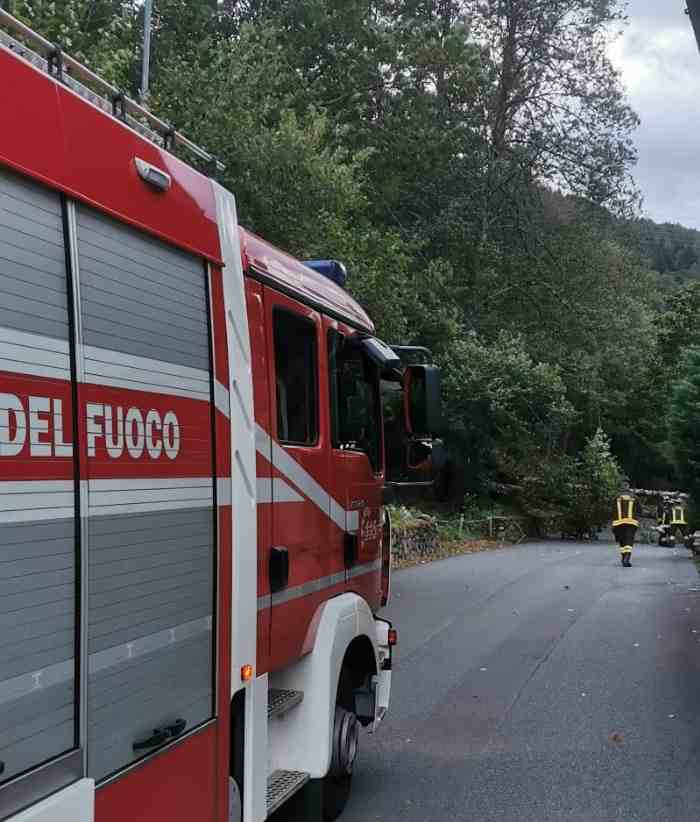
660,66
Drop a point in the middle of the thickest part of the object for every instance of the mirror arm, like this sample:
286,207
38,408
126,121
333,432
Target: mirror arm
427,484
413,349
406,397
392,375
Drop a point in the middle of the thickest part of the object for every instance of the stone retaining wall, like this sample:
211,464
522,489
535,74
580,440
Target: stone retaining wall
417,541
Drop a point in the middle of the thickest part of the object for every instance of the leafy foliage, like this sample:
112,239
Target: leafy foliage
101,33
509,412
597,482
672,250
684,421
471,162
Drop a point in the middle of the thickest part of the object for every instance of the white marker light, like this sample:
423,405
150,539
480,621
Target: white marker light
155,177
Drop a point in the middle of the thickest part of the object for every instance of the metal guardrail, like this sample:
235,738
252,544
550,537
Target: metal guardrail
50,58
494,527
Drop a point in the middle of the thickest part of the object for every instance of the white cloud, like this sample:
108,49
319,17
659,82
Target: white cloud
660,66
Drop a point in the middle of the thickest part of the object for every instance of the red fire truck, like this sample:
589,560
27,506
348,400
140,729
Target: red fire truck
193,544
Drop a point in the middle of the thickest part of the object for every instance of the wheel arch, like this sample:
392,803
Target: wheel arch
345,641
359,662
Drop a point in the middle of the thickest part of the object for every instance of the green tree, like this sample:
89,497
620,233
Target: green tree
468,160
509,411
101,33
293,184
554,99
678,325
598,482
684,421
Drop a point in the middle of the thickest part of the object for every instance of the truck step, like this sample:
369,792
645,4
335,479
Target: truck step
281,786
281,700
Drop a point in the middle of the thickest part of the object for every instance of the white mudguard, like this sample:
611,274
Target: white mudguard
302,739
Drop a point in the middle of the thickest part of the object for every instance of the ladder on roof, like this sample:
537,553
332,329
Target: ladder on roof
49,57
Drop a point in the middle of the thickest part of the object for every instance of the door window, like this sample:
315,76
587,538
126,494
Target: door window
296,379
355,406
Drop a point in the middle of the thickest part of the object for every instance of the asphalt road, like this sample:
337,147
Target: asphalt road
543,683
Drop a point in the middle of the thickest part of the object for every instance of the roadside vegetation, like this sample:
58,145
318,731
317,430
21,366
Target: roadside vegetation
471,161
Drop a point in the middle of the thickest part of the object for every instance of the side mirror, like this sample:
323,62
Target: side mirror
428,457
418,455
422,402
438,456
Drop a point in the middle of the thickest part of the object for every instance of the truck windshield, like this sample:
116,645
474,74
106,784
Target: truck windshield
354,396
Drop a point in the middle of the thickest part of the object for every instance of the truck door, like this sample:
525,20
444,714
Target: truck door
261,402
357,457
149,496
301,565
40,738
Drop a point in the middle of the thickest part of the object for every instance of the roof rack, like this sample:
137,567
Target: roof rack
49,57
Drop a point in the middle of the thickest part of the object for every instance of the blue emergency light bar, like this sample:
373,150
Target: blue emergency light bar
331,269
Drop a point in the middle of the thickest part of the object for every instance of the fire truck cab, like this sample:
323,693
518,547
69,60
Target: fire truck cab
193,542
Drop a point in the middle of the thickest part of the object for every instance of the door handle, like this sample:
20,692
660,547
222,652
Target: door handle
2,767
350,550
176,728
279,569
161,735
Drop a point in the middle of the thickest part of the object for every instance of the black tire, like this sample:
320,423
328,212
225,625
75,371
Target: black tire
336,793
338,782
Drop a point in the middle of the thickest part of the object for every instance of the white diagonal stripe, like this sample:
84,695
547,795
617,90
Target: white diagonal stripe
222,399
263,489
337,514
262,440
282,492
275,489
352,521
288,466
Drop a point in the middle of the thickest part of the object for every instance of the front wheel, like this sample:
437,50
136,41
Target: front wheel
337,784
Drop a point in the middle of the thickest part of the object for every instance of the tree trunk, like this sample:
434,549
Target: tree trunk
506,81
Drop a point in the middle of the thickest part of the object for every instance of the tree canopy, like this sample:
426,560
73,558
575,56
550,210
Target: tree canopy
471,161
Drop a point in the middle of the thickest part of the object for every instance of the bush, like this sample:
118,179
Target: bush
684,423
596,481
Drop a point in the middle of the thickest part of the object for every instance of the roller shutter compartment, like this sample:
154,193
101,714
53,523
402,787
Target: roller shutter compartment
38,717
151,537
